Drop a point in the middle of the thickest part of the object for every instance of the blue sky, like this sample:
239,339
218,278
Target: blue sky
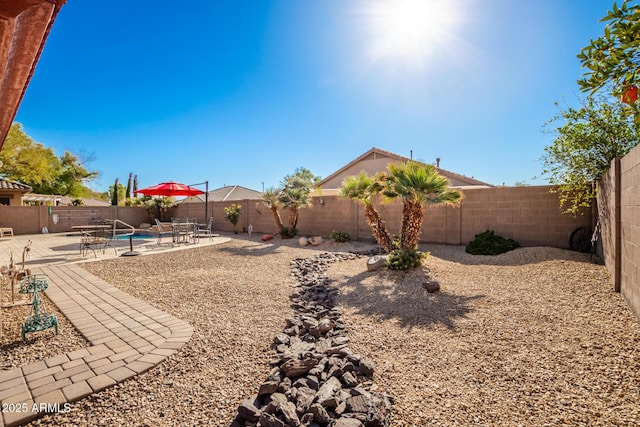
244,92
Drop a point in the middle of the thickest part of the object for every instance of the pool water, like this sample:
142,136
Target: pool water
136,236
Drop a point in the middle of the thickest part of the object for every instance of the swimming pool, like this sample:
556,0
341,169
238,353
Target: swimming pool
136,236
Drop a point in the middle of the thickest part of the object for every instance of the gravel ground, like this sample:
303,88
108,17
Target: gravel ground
531,337
236,295
38,346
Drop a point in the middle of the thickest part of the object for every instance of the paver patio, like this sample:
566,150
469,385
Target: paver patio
127,336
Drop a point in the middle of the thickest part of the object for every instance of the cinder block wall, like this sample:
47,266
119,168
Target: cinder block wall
619,213
630,229
531,215
609,236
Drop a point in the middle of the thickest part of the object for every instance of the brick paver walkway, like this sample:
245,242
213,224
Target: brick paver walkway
127,337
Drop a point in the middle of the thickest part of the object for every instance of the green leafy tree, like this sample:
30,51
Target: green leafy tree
613,58
114,193
587,139
71,175
129,191
26,161
417,185
363,189
232,214
33,164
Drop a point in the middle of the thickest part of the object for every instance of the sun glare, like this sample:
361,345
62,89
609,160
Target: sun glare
412,30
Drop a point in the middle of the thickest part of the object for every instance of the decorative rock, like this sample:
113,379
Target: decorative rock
349,380
279,397
303,241
289,412
248,411
325,325
431,286
347,422
266,237
327,392
376,262
294,368
316,241
366,367
357,404
316,379
268,387
320,415
304,398
282,339
267,420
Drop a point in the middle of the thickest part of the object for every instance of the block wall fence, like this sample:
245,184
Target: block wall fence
530,215
619,214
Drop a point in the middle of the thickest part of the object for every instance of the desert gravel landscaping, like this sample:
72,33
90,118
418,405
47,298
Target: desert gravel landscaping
531,337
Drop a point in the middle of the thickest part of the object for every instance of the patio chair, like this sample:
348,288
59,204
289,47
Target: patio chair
163,232
204,230
94,239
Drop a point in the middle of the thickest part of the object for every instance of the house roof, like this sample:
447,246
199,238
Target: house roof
5,184
24,27
467,181
224,194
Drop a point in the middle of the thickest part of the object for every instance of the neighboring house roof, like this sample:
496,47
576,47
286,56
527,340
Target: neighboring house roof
62,200
5,184
225,194
24,27
66,200
376,160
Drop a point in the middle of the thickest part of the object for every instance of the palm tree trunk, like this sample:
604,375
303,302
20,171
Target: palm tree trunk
276,216
379,228
293,217
412,217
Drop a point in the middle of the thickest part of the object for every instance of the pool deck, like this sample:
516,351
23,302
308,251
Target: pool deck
126,335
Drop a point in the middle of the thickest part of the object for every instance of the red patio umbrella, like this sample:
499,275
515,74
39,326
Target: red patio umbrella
170,188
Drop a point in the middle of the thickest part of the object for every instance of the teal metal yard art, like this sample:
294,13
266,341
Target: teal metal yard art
39,319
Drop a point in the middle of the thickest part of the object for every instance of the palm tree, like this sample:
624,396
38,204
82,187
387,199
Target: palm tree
362,188
294,199
417,184
271,199
295,195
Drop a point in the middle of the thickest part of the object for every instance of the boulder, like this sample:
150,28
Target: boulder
431,286
315,240
303,241
266,237
376,262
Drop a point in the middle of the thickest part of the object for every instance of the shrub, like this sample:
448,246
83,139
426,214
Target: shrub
232,214
340,236
488,243
288,233
404,259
